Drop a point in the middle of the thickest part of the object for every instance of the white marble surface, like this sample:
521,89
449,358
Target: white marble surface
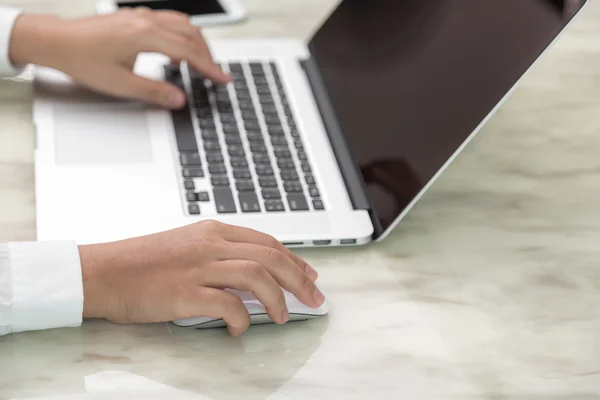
488,290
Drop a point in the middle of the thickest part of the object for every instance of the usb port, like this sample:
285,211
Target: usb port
347,241
321,242
293,243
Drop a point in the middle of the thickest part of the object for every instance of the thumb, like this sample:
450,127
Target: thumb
128,84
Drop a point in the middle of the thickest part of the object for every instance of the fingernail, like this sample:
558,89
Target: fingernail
285,316
176,99
318,297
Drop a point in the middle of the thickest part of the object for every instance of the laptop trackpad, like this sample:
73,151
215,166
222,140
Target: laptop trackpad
101,133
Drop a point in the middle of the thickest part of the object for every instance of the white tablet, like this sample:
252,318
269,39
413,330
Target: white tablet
201,12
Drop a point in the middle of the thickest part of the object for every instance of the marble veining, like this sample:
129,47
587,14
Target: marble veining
489,289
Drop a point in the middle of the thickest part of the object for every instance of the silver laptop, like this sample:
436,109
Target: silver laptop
321,144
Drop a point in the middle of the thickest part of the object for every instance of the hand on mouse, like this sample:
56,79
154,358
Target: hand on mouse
99,52
181,273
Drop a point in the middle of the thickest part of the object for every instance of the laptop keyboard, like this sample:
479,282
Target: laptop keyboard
242,151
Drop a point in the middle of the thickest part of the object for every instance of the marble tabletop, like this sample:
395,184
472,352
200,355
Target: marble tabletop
490,289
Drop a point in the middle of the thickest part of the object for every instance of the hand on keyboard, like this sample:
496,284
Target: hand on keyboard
100,51
181,274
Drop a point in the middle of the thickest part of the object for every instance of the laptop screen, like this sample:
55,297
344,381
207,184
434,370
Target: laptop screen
410,80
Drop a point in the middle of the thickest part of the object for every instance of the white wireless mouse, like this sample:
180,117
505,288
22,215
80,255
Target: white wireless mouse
258,315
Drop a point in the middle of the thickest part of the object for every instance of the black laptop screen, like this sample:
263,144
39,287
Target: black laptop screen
410,80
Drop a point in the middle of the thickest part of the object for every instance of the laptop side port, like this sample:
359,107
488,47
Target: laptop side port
347,241
321,242
293,244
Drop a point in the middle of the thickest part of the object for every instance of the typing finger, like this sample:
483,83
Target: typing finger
179,47
250,276
125,83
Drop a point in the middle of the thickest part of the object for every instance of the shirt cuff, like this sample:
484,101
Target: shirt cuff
47,285
8,16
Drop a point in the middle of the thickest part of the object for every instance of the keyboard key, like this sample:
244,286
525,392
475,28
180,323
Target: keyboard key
244,186
318,204
238,162
256,68
264,170
236,151
217,169
243,94
224,108
278,141
190,159
276,130
263,89
209,134
294,132
305,167
233,139
242,174
194,209
269,110
192,173
230,128
204,112
313,191
267,182
203,196
286,164
184,130
297,202
214,158
292,187
258,148
269,194
274,205
302,156
188,184
211,145
289,175
224,200
260,80
222,98
251,125
221,180
236,67
191,197
261,159
266,99
298,144
256,138
246,105
283,154
206,123
271,119
249,202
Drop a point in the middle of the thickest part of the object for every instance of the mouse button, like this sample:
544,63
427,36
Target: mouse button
243,295
255,308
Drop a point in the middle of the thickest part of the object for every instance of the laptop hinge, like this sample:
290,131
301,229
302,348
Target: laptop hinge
348,166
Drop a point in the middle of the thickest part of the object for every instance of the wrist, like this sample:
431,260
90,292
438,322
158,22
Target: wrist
36,39
92,306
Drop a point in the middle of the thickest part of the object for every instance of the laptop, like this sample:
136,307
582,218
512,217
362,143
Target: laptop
325,143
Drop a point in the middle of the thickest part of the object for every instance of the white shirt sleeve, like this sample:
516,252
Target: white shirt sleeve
8,16
40,286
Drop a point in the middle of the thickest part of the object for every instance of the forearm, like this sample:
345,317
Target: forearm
36,39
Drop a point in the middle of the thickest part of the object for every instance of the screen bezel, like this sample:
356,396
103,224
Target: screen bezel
380,233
